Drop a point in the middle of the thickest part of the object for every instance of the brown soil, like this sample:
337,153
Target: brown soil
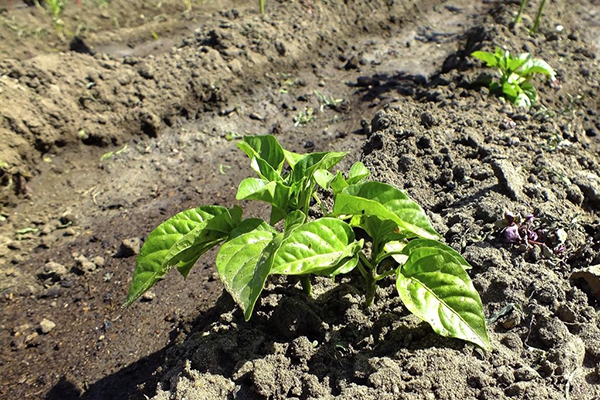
167,110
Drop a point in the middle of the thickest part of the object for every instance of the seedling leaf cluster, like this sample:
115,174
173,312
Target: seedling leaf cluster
397,240
515,74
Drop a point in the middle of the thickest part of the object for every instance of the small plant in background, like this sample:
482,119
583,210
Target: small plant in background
515,74
188,6
522,231
431,278
327,102
538,16
304,117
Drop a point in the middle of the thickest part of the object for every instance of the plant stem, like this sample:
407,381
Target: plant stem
536,24
323,210
384,275
369,278
371,288
306,285
522,6
261,6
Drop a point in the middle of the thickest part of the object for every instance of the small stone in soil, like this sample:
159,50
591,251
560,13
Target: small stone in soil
52,270
148,296
98,261
129,247
88,267
46,326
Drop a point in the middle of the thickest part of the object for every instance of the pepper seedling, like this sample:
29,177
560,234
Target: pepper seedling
515,74
431,278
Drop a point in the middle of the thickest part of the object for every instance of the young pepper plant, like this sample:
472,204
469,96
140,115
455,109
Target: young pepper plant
515,74
431,278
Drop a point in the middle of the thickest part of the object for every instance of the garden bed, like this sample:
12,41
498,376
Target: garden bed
413,113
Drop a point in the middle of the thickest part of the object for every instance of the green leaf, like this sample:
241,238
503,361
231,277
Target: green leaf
202,238
338,183
347,261
535,65
323,178
387,203
522,100
437,289
265,170
487,57
275,193
292,158
249,225
244,263
265,147
432,246
357,173
312,247
311,162
510,90
150,266
293,221
516,63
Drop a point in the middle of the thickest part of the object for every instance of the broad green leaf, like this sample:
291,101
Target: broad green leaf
292,158
357,173
201,239
381,231
433,246
536,65
347,261
509,89
312,247
323,178
150,266
244,263
186,259
275,193
249,225
489,58
311,162
293,220
522,100
437,289
265,170
516,63
265,147
530,92
338,183
387,203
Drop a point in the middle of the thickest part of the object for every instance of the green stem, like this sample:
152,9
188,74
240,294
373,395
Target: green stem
308,196
369,278
383,256
306,285
371,288
518,17
261,6
536,24
323,210
384,275
362,270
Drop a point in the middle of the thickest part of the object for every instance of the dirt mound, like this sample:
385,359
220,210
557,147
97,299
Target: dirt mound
468,159
49,102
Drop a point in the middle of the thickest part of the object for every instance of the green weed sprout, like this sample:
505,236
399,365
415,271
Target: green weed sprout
261,6
515,74
304,117
538,16
431,278
325,101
